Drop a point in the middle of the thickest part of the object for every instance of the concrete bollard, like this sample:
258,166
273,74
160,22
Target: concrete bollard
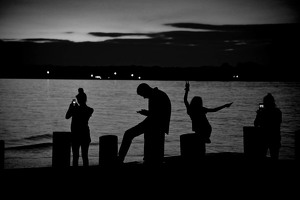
191,147
2,154
108,149
154,148
61,149
254,142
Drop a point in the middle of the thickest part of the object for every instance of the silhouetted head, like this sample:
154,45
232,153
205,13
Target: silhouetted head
269,101
80,90
144,90
81,97
196,102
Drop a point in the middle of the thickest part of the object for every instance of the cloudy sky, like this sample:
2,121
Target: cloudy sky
213,26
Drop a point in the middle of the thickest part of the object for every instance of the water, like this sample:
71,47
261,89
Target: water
31,110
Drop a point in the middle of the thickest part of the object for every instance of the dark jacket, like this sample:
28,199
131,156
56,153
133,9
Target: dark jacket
269,120
159,108
79,125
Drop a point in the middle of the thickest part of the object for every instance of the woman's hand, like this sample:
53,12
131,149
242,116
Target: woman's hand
187,86
228,105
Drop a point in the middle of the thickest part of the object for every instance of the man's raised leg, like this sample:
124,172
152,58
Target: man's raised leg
127,139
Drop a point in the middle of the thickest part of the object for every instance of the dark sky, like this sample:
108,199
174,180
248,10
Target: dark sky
142,32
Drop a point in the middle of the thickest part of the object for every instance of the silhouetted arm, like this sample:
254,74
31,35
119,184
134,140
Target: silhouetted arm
185,98
257,119
69,112
219,108
143,112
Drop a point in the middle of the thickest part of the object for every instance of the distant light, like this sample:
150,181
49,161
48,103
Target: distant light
98,77
115,73
92,75
139,77
48,72
132,75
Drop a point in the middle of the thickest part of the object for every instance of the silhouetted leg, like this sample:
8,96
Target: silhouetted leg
202,149
84,154
127,139
274,152
262,154
75,151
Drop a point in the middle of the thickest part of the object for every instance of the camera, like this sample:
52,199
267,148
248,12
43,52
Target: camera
261,106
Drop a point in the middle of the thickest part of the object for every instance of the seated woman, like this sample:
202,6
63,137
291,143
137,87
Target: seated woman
197,113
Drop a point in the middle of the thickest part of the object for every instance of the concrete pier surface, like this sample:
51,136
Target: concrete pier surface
213,163
226,174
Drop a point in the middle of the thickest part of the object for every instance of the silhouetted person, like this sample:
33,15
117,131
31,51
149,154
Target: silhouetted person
197,113
154,126
269,118
81,138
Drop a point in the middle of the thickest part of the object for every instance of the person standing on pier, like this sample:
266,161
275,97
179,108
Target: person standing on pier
80,136
269,118
154,126
197,113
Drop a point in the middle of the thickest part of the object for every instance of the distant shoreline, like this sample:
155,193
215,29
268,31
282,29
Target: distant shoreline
225,72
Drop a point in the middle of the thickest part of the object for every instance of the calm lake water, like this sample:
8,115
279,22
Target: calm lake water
31,110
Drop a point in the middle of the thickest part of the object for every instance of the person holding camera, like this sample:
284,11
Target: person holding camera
80,136
269,118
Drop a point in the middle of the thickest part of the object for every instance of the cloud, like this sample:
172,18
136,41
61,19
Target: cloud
44,40
115,35
182,37
183,47
201,26
194,35
258,43
256,31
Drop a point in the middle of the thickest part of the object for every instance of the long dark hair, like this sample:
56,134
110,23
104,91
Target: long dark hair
81,96
269,101
196,104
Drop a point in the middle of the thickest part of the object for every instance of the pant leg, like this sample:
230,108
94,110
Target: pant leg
84,153
127,139
75,151
274,150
